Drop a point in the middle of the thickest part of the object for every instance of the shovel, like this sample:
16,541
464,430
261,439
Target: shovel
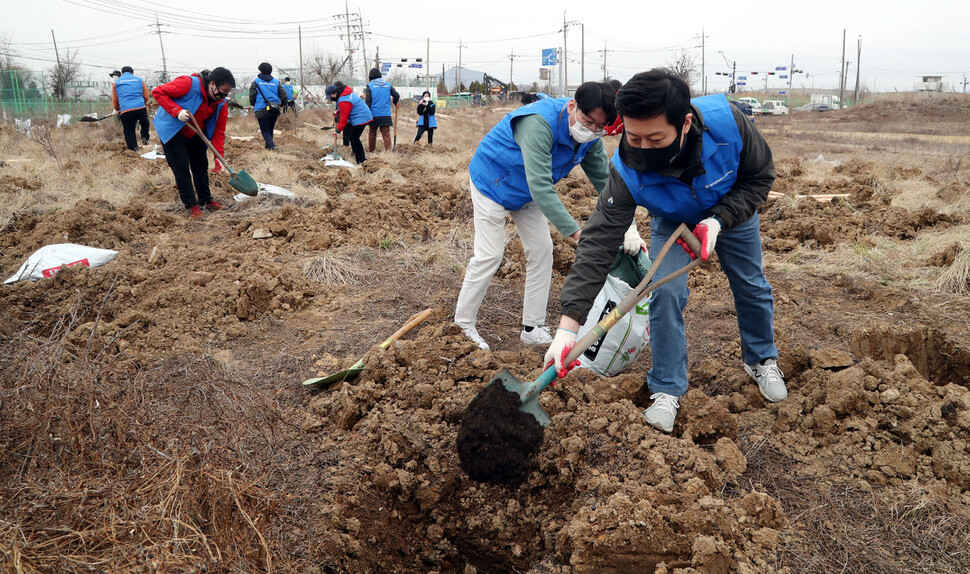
334,154
529,391
241,180
93,119
356,368
394,145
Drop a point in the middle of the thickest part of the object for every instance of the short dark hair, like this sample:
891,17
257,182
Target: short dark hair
650,94
616,84
374,74
265,68
221,76
127,69
592,95
527,98
286,79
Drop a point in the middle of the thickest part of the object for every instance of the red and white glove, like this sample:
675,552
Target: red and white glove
706,232
562,343
184,115
632,242
217,168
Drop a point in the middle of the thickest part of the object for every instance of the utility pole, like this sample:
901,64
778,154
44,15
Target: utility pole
964,83
56,53
363,44
858,61
299,32
842,71
377,58
582,56
791,74
350,50
565,58
458,71
158,26
511,58
605,75
427,65
703,63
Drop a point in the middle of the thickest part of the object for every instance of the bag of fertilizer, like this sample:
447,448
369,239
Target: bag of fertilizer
48,260
622,344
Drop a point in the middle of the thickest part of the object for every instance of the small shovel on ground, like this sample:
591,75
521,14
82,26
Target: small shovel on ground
356,368
240,180
529,391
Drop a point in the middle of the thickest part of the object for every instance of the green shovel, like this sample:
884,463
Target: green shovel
241,180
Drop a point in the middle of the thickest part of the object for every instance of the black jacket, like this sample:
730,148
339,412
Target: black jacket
253,90
425,111
603,233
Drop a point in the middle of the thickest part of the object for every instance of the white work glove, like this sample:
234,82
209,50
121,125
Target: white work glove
632,242
706,232
562,343
114,112
184,115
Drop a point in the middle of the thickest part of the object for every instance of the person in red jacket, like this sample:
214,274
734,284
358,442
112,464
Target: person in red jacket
202,96
354,115
615,128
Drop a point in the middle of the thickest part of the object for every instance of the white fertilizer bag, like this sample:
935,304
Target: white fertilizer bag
267,190
153,154
63,120
622,344
23,126
47,261
330,161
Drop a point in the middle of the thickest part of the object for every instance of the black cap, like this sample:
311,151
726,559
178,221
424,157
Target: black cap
115,74
127,70
331,90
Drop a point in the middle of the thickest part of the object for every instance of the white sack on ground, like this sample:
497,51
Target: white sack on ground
63,120
267,190
153,154
331,161
47,261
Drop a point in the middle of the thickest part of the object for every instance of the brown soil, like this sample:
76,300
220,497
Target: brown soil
154,419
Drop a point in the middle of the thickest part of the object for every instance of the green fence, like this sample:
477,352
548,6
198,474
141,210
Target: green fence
24,94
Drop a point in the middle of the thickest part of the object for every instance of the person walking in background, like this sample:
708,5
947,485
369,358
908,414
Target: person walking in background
426,121
512,173
267,95
290,97
379,95
202,96
129,96
696,161
354,115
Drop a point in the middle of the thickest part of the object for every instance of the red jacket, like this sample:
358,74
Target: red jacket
343,109
165,95
616,128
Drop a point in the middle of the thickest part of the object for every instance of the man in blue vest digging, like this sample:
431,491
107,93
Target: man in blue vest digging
129,97
699,162
512,174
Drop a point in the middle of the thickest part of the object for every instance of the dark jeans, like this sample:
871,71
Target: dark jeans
291,105
128,120
266,125
421,130
353,134
186,157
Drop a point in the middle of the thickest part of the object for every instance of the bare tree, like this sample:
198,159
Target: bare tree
322,67
67,70
684,65
7,61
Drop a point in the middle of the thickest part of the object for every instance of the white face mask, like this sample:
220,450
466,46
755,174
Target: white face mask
582,134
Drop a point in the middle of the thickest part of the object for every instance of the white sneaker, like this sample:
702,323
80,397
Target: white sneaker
770,379
537,336
472,333
662,412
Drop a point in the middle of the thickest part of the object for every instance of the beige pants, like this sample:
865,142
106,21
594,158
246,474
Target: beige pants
533,229
372,137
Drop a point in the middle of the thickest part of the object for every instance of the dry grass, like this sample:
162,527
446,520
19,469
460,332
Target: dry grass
956,278
333,269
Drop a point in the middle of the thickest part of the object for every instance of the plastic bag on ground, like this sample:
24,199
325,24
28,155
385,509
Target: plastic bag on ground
47,261
623,343
266,190
331,161
153,154
63,120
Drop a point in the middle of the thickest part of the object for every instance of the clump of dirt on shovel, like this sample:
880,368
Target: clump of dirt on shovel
497,442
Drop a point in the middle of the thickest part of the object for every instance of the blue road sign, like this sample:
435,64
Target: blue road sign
780,68
417,65
783,76
549,57
782,92
742,77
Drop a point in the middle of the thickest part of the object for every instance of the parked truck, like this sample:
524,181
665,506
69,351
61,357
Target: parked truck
826,99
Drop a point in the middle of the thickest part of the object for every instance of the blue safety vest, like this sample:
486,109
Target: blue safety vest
380,98
497,168
167,126
289,92
131,92
266,90
360,113
670,198
432,123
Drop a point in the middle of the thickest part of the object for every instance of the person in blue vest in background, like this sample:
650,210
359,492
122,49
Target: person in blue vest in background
202,96
267,95
699,162
353,116
512,173
129,96
380,95
290,97
426,121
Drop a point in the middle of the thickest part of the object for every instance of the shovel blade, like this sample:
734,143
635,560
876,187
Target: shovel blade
244,183
528,405
345,375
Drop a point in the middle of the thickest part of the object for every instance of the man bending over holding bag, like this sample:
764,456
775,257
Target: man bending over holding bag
699,162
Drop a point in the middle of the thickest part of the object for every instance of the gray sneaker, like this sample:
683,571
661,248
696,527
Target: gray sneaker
662,412
770,379
537,336
472,333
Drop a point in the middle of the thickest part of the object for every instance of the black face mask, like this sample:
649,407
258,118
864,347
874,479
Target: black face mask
657,159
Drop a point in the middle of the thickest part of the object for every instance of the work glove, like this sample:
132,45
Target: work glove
562,343
114,112
217,168
632,242
706,232
184,115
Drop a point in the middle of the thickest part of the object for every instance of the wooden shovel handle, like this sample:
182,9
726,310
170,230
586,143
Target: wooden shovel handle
198,131
412,323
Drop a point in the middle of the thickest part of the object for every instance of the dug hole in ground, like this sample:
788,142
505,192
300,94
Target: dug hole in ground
154,419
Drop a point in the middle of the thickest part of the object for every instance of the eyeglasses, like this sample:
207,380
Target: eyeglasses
589,123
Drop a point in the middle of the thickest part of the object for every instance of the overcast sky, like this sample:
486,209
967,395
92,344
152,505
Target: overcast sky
901,40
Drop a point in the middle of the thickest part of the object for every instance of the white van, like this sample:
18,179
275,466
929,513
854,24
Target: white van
774,108
754,103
